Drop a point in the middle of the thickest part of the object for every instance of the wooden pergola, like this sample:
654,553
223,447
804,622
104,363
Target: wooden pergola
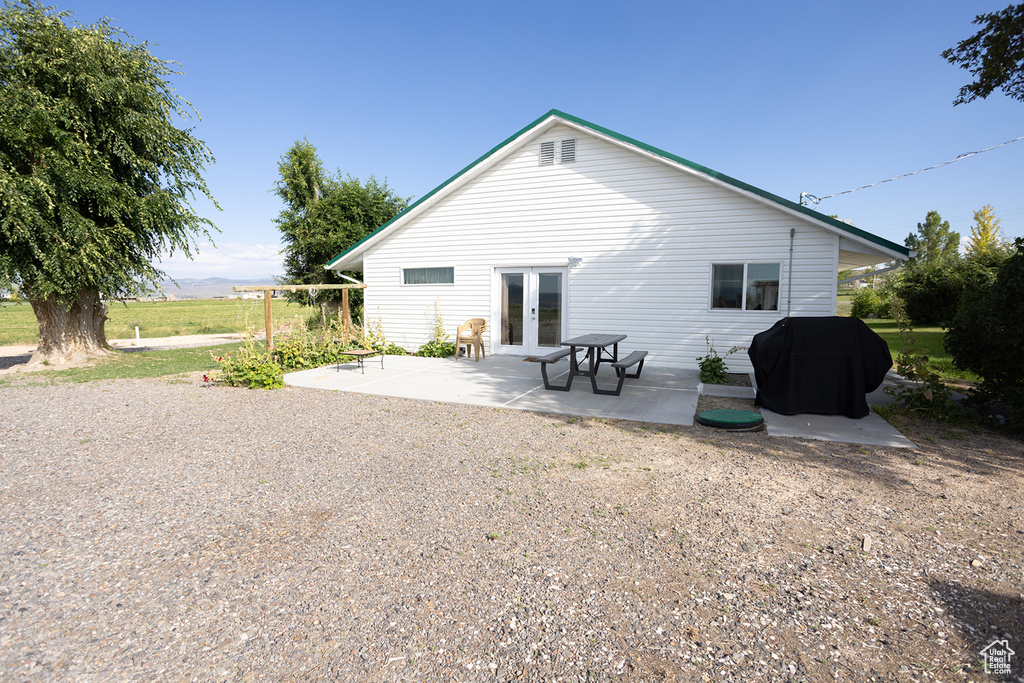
269,291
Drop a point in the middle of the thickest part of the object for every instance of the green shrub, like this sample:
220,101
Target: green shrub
931,292
373,336
436,349
296,349
438,346
250,366
928,396
303,349
712,366
870,302
316,322
985,334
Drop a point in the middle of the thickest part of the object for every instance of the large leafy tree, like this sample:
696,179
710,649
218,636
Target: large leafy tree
324,215
932,282
935,240
985,337
994,55
985,246
95,177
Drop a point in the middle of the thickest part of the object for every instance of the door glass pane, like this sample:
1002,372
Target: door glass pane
549,309
512,309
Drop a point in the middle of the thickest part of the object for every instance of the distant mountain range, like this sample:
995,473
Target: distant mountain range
208,287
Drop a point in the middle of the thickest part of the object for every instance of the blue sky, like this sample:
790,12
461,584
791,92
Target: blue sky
792,97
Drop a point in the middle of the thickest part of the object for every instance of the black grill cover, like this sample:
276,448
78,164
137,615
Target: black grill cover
818,365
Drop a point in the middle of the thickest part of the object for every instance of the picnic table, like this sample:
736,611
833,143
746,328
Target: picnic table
597,351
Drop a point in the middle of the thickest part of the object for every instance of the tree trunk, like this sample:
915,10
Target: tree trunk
70,334
330,308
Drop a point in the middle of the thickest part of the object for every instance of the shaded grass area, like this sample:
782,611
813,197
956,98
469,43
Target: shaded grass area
134,365
928,339
160,318
844,304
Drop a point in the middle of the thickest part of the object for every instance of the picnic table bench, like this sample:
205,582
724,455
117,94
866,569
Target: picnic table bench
551,358
597,346
635,358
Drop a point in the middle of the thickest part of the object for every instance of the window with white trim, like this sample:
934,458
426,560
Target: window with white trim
745,286
428,276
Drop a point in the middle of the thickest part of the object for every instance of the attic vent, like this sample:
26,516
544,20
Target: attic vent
547,153
568,151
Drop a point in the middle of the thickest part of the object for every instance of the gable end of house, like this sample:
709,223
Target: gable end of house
567,154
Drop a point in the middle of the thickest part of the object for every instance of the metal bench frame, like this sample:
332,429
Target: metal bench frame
620,370
551,358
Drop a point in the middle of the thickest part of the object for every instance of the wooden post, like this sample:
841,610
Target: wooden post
268,291
268,316
344,309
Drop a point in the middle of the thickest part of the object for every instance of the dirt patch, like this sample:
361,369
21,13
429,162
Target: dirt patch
706,402
735,379
739,379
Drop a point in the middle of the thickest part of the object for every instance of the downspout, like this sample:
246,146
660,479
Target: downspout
789,274
350,279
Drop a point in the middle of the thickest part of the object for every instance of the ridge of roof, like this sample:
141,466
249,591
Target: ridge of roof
711,173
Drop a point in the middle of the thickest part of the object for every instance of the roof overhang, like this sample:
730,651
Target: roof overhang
857,247
854,254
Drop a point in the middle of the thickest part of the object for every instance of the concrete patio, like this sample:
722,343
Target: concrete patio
660,395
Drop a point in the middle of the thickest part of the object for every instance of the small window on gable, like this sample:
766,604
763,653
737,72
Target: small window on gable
428,276
547,153
568,151
745,286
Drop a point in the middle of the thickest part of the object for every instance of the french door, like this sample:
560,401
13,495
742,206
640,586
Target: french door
530,308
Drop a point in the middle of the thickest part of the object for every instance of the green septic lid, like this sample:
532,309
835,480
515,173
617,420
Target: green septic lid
731,419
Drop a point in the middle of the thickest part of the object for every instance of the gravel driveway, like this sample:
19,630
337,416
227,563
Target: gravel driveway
170,530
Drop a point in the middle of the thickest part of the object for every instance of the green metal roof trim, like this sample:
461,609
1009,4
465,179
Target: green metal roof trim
845,227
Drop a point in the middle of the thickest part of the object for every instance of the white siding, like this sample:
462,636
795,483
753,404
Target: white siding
647,235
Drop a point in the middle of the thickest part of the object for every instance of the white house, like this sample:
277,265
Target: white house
568,228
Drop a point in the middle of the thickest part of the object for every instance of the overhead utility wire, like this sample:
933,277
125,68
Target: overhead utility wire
817,200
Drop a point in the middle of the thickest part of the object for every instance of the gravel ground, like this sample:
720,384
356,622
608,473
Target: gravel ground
172,530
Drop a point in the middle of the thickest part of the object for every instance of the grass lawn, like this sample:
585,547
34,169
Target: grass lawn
928,339
123,365
844,304
159,318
